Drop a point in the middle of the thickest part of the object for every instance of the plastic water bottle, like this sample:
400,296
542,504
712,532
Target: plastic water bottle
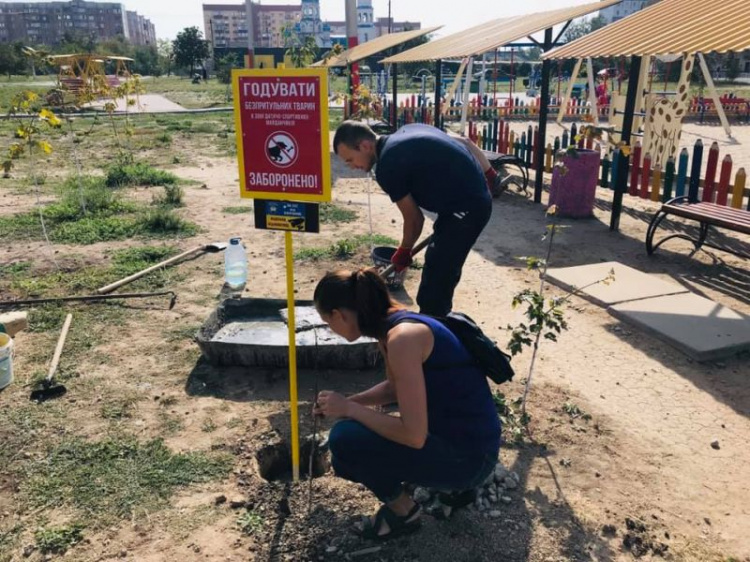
235,264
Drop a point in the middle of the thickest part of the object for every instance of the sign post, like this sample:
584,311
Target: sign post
281,119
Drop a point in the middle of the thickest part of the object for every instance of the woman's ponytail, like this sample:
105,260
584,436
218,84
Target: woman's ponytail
362,291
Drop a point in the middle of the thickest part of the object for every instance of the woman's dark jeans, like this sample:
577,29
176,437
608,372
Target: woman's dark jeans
361,455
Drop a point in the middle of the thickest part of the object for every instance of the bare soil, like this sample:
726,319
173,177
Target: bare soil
639,479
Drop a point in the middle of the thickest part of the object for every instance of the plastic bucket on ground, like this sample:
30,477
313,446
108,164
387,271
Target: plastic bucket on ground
381,257
6,360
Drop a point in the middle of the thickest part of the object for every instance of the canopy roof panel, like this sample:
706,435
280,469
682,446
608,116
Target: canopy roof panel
494,34
374,47
670,26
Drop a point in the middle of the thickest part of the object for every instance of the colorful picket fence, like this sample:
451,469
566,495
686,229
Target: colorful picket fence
687,175
416,109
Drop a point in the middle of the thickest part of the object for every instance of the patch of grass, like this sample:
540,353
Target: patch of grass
332,214
117,477
345,248
183,333
121,407
15,268
164,221
206,128
238,210
98,229
123,174
574,411
180,125
208,425
311,254
57,540
46,318
170,423
250,522
335,118
172,196
164,138
8,540
92,325
86,279
88,211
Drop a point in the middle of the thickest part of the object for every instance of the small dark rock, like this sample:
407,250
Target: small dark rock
218,500
609,531
237,504
715,444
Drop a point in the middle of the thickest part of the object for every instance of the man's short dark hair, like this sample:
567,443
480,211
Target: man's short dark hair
351,133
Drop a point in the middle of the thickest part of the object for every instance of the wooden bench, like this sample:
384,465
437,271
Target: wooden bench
707,214
72,84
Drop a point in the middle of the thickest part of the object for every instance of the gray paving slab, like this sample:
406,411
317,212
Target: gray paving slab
629,284
147,103
699,327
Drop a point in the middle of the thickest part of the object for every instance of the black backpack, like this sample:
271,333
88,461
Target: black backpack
487,356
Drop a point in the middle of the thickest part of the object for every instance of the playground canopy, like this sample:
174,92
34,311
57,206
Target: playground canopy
374,47
670,26
692,27
495,34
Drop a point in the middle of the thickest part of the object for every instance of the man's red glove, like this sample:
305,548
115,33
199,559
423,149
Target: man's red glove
401,258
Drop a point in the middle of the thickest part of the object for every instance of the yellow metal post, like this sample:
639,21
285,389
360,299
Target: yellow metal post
292,355
656,184
738,193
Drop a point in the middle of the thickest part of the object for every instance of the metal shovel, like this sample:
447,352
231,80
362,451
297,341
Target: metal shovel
215,247
418,248
50,390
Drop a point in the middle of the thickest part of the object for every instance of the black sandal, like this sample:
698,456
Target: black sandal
398,525
453,501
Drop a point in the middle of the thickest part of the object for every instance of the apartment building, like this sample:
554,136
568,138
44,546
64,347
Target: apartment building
47,22
225,25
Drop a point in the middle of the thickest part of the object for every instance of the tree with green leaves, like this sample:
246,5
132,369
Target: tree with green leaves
584,27
301,51
732,65
12,59
224,66
37,58
190,49
165,47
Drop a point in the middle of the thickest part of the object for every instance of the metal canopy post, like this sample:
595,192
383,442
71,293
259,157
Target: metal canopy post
467,96
714,95
627,127
438,90
543,112
394,105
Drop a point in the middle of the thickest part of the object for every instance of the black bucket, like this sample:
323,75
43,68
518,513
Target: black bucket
381,257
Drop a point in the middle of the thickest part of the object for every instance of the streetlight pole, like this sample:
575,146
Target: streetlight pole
250,38
390,29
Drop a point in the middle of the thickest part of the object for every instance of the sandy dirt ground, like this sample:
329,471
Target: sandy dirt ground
641,471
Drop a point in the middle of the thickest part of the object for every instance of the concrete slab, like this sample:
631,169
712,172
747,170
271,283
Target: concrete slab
147,103
699,327
629,284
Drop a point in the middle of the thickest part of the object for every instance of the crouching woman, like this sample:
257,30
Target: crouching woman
446,435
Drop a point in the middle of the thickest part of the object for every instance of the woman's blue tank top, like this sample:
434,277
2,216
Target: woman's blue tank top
460,408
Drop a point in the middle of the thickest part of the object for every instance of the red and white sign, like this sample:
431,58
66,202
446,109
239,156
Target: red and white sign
282,134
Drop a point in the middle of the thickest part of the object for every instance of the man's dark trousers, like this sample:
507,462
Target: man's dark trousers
453,237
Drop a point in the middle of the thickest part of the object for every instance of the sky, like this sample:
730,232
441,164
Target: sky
171,16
